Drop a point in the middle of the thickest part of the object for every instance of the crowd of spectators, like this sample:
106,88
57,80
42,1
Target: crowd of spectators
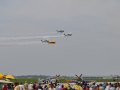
60,86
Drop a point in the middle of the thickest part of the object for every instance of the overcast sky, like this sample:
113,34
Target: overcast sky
94,48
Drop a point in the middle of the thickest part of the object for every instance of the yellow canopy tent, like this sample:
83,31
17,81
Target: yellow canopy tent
9,77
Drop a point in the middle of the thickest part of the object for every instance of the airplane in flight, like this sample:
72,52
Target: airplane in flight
48,41
60,31
69,34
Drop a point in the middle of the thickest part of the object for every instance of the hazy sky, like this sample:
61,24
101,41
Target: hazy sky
94,48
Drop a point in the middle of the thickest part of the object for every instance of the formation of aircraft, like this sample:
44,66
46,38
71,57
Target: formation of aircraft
62,31
54,42
31,39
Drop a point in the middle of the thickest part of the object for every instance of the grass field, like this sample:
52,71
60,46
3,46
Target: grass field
23,80
29,80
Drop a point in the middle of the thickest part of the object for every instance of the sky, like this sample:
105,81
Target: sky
94,48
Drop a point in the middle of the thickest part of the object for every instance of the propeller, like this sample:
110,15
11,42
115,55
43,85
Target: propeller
79,78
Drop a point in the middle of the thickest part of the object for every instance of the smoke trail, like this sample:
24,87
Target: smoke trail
49,33
13,41
19,43
28,38
53,36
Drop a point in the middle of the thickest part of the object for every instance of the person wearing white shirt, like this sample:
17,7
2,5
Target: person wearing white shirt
21,86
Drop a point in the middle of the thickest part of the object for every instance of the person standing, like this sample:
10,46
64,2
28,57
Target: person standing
5,87
16,87
30,86
21,86
51,87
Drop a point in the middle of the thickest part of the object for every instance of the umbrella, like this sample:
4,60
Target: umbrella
9,77
1,76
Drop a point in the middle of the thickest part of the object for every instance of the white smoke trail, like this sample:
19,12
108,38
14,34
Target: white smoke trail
13,41
28,38
48,33
19,43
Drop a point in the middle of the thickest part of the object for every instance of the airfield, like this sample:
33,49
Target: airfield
61,79
62,82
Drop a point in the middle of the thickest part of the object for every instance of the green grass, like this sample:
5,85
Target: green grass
23,80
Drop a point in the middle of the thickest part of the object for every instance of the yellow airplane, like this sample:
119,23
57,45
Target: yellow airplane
49,41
